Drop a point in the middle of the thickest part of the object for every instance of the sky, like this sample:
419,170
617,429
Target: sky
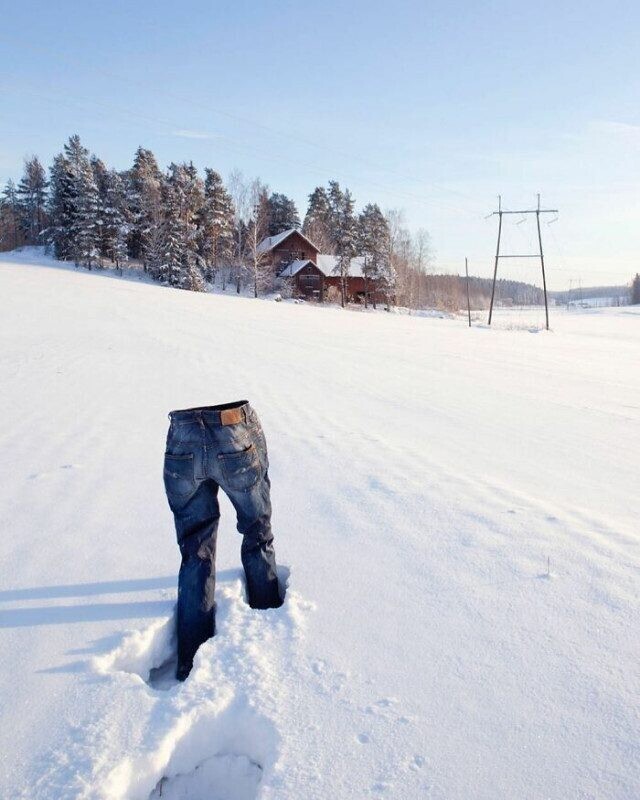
435,108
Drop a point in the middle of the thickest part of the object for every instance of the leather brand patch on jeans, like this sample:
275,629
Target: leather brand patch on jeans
208,448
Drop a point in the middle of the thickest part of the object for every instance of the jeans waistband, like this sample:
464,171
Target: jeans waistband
222,414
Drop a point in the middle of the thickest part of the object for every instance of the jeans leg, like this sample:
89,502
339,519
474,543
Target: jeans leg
257,552
197,535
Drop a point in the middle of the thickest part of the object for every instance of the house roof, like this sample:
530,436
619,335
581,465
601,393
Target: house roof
269,242
295,266
329,266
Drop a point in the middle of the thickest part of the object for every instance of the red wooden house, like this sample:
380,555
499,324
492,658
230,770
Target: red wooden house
295,258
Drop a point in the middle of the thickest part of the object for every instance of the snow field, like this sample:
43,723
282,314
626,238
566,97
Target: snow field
422,476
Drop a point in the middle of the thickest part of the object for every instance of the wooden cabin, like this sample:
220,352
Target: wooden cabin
295,258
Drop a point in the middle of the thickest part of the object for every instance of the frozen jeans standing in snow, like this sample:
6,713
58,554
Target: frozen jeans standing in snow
207,448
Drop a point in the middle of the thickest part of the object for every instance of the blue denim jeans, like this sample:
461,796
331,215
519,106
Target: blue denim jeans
207,448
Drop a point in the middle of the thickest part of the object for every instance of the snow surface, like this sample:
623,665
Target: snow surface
270,242
330,266
423,474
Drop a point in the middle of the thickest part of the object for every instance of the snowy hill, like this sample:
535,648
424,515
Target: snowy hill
424,477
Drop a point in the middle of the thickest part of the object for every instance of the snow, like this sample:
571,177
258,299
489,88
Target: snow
270,242
424,477
294,268
329,265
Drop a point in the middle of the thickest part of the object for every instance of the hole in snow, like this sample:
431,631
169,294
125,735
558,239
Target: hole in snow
221,777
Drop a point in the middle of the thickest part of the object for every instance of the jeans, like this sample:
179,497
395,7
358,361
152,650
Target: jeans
207,448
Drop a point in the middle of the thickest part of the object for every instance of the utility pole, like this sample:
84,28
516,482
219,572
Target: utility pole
544,277
495,268
466,269
537,211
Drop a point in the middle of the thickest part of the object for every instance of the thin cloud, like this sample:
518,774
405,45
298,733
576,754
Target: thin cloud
187,134
623,130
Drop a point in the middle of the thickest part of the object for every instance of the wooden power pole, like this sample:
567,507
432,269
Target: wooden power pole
466,270
537,211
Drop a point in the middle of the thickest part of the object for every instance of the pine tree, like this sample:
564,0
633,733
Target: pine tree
144,201
180,260
74,207
635,290
63,208
113,216
215,224
374,245
86,226
173,239
345,232
283,214
11,214
317,221
32,194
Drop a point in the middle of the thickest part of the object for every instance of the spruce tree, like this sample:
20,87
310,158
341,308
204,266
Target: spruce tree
86,226
11,213
346,237
62,208
180,259
144,201
113,215
373,243
216,218
317,221
635,290
32,194
283,214
74,206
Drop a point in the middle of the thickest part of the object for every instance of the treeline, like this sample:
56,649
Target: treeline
589,292
188,230
184,229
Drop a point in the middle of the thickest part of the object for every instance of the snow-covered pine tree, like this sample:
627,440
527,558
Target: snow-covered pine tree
11,215
635,290
180,259
317,221
335,196
145,213
62,208
373,246
32,194
86,227
346,240
75,204
215,235
169,272
283,214
113,215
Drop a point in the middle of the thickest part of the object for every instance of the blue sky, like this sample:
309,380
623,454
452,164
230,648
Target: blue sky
432,107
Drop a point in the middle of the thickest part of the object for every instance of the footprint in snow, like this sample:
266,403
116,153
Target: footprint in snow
221,777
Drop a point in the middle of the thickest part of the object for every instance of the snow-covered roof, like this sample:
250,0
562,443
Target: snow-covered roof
270,242
329,266
295,266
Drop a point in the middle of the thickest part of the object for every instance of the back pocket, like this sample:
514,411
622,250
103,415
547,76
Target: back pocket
241,470
179,479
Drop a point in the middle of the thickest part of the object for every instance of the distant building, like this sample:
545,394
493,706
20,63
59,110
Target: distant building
294,257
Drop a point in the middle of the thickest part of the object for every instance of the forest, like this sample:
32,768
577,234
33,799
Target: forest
195,231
